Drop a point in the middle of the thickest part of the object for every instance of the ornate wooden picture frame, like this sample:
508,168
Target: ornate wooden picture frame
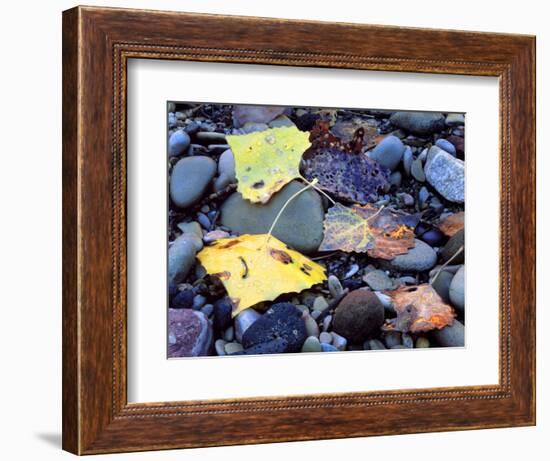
97,44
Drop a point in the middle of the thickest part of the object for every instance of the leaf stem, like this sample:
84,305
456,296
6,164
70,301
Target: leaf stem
318,189
446,264
375,214
310,184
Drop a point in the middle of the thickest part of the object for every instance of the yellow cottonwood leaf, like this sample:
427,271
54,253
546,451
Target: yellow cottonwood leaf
381,233
253,271
265,161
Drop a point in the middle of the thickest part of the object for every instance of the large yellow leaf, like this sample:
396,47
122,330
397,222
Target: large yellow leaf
254,268
267,160
381,233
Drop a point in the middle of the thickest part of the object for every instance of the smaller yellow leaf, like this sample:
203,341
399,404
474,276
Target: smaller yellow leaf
265,161
255,268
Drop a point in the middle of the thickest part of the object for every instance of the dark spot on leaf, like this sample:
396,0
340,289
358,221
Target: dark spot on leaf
244,272
229,244
258,184
225,275
280,255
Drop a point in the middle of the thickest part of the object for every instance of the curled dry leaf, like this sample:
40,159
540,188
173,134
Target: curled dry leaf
255,268
381,233
266,161
419,309
347,131
341,168
452,224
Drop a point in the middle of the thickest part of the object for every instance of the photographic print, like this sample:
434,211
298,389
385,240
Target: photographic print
313,230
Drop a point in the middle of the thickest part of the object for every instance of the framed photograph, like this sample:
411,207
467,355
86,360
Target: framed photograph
271,234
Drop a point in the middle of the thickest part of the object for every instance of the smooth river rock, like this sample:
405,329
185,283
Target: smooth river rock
178,143
389,152
181,256
446,174
190,178
359,315
456,290
300,225
420,123
420,258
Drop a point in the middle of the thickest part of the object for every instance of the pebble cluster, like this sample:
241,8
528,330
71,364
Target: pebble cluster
424,151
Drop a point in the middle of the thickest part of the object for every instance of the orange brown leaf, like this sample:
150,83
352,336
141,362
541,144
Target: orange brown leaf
419,309
452,224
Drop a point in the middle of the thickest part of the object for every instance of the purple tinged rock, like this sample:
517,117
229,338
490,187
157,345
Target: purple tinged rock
189,333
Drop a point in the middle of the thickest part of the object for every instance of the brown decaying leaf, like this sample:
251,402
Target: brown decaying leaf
380,233
419,309
348,131
452,224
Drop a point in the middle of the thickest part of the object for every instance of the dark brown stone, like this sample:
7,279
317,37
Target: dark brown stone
358,316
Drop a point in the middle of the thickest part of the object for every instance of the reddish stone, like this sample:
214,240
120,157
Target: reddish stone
189,333
458,142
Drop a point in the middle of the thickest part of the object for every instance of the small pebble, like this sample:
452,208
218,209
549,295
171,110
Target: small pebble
334,286
229,334
352,271
446,146
320,304
326,322
311,344
203,220
338,341
232,348
328,348
422,342
214,235
207,309
407,340
198,301
220,347
325,337
392,338
316,314
417,170
375,344
312,328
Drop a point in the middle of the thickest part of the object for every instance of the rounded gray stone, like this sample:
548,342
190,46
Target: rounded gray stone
190,178
420,258
450,336
378,280
226,170
447,146
456,290
181,256
420,123
389,152
178,143
300,225
311,344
